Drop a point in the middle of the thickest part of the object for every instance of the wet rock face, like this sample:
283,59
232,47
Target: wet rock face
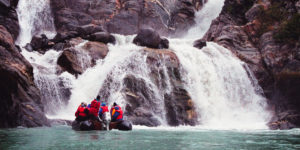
69,62
126,16
39,43
71,58
151,39
96,50
183,16
8,17
103,37
20,103
259,34
199,44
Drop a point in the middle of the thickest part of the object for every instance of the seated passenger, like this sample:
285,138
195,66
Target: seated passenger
102,111
82,112
116,113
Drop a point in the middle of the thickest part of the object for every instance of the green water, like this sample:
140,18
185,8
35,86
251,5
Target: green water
63,137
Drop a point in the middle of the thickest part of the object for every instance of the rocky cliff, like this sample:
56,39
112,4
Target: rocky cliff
265,34
126,16
20,102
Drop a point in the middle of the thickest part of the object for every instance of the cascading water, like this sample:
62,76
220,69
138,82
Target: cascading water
204,17
223,93
34,19
218,82
220,87
123,59
54,88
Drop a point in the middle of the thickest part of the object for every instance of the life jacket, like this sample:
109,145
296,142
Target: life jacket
103,109
95,105
80,112
116,113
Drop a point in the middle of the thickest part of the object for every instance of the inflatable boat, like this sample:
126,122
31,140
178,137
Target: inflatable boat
88,125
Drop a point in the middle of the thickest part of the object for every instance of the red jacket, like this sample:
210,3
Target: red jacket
80,111
116,113
95,105
104,109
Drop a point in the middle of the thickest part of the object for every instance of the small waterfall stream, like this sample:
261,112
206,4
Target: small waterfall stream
224,95
35,18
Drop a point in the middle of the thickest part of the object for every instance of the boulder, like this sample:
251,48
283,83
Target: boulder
164,43
28,47
63,36
89,29
151,39
75,58
68,61
103,37
59,46
21,103
199,44
96,50
40,43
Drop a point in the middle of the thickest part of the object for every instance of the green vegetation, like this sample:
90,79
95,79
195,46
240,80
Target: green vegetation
238,7
289,31
277,18
268,18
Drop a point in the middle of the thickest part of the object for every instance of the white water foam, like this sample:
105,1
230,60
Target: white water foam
123,59
204,17
34,18
220,87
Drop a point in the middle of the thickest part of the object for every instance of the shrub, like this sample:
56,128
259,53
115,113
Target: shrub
289,31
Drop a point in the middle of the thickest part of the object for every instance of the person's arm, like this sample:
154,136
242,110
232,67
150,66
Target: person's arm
100,111
86,111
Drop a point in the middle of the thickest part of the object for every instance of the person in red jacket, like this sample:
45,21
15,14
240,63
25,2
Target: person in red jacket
102,111
82,112
116,113
95,106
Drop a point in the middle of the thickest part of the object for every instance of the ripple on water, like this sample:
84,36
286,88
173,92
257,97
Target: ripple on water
63,137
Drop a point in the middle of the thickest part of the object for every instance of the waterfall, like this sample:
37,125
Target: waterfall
34,18
204,17
224,93
124,58
220,87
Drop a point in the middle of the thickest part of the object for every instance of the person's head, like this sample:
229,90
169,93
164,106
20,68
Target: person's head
117,108
89,105
115,104
83,104
103,104
98,98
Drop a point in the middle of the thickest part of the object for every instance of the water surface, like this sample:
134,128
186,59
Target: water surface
63,137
